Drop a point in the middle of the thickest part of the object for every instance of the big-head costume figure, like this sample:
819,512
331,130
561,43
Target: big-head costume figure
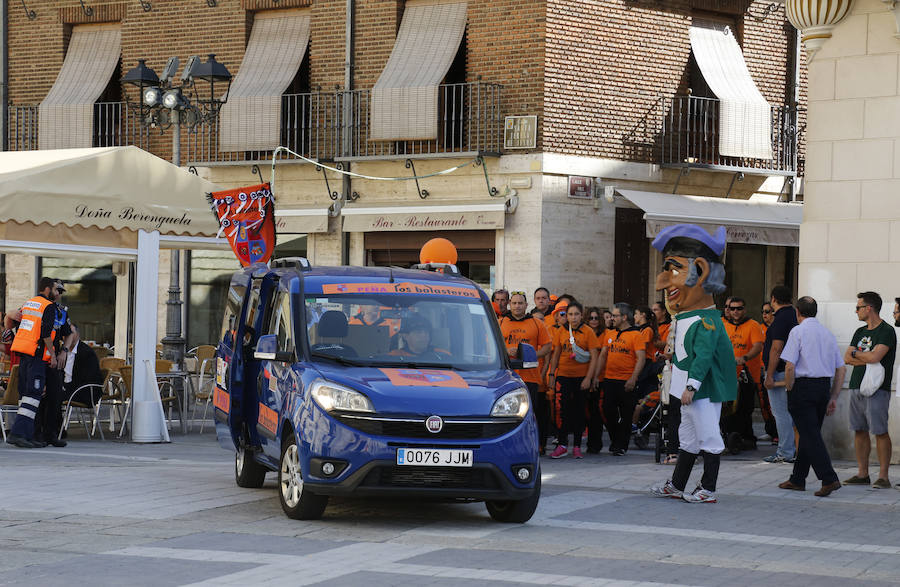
702,365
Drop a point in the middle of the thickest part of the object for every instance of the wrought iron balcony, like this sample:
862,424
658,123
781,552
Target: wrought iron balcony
470,121
115,124
318,125
683,131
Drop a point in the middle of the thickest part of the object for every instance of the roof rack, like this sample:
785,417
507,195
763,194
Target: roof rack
445,268
301,263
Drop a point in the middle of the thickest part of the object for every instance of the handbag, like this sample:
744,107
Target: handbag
580,355
872,379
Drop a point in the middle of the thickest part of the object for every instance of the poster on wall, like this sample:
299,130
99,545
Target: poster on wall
246,218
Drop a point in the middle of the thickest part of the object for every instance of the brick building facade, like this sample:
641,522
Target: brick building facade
599,75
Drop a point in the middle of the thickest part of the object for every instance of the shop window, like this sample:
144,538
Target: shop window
90,296
208,278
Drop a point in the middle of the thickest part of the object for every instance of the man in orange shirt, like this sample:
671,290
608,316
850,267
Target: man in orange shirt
518,326
747,339
621,361
370,315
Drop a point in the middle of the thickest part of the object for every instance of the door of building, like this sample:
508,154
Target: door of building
631,272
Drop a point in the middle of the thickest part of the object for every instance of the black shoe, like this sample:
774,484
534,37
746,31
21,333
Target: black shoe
57,443
594,451
38,443
19,441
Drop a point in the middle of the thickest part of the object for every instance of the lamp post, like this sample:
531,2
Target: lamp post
164,104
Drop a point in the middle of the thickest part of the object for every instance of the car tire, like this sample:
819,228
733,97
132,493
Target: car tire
247,472
297,501
516,511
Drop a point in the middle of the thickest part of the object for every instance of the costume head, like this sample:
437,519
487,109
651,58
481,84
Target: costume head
693,269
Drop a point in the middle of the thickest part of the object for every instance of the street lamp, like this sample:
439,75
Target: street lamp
163,104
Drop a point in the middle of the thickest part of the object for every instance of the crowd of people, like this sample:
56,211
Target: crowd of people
52,363
600,368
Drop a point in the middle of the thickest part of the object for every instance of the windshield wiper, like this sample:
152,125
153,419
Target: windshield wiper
340,360
419,365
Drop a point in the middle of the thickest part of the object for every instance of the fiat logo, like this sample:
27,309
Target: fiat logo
434,424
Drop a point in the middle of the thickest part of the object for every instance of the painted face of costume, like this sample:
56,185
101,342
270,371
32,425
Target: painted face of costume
681,285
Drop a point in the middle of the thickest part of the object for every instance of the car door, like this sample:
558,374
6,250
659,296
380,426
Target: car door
276,378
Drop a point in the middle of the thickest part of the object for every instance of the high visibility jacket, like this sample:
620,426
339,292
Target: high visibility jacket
28,336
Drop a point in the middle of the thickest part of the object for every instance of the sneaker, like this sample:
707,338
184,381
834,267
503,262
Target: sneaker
666,490
559,453
857,480
790,460
576,452
700,495
56,442
774,459
618,453
881,484
20,441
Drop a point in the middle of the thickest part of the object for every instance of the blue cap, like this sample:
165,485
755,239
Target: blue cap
715,242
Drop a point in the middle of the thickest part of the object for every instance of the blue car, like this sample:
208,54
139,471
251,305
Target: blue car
371,381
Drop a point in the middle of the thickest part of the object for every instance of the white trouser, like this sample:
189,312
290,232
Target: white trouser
699,430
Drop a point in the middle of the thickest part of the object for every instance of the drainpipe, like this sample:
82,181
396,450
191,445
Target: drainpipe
795,102
4,75
346,120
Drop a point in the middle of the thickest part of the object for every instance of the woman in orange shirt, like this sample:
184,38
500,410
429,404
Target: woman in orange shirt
574,374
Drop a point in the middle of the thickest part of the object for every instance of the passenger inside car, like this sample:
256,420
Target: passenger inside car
415,336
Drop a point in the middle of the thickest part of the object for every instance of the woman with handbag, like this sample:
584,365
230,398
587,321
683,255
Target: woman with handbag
572,365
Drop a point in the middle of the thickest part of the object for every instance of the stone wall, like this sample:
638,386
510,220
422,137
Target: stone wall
850,237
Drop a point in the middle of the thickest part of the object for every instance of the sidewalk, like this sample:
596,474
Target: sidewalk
115,513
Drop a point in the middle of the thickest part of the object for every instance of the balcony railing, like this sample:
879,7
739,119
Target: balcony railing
115,124
309,126
318,125
683,131
469,121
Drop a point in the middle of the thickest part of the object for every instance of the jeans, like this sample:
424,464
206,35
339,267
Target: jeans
783,421
808,401
618,406
574,401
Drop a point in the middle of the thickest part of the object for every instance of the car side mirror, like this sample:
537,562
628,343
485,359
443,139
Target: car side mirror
526,357
267,350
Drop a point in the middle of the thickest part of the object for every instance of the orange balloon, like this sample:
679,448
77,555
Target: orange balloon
438,250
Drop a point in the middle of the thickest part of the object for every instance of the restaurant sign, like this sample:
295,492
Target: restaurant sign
425,218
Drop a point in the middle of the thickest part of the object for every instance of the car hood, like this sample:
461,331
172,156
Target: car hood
423,392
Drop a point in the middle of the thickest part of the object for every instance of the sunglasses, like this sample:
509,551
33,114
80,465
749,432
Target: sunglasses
60,290
594,318
767,311
734,308
517,293
562,312
858,308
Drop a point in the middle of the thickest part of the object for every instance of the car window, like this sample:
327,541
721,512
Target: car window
232,313
281,322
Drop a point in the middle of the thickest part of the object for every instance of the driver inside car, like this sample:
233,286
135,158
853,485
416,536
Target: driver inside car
416,336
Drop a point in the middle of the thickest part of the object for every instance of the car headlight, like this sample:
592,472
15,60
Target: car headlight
332,396
514,403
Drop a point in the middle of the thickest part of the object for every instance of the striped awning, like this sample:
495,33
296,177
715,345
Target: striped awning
745,117
66,116
405,97
251,119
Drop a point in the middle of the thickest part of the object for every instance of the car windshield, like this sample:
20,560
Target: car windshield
402,330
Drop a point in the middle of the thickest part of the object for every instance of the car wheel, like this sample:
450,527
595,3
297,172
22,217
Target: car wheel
247,472
296,500
516,511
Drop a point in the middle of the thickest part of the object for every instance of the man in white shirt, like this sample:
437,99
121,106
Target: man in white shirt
813,376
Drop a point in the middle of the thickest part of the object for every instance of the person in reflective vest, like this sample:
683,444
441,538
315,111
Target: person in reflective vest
34,343
49,419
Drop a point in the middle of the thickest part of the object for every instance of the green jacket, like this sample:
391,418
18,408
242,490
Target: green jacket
710,356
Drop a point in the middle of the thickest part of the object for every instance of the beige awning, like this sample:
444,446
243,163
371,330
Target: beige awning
99,197
405,97
66,116
251,119
301,220
473,215
745,221
745,117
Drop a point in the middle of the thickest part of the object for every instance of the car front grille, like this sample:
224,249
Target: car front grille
464,430
431,477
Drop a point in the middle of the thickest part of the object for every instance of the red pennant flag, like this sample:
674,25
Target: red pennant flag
247,219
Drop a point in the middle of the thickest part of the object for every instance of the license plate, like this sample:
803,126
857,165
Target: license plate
434,457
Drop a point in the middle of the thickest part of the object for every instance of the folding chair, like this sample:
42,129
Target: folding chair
206,361
10,403
125,378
